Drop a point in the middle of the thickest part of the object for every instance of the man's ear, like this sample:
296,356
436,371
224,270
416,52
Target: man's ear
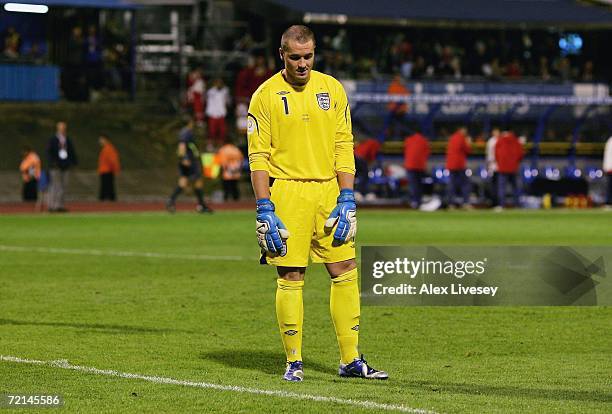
280,53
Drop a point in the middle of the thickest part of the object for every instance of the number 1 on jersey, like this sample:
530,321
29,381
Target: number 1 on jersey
284,98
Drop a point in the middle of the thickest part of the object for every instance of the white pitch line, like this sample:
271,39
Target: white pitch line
64,364
93,252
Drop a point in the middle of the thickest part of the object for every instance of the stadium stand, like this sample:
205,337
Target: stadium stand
540,73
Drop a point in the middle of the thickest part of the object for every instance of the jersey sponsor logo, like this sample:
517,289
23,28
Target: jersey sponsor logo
323,100
281,93
355,328
290,332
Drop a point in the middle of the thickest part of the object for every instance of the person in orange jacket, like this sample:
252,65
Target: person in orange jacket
230,158
30,174
108,167
397,110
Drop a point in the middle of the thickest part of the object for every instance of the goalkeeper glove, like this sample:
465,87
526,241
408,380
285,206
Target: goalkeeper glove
345,215
271,232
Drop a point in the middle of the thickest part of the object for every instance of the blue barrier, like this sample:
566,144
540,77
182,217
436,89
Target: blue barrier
29,83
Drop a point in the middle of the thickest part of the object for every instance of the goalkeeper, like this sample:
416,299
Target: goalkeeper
302,171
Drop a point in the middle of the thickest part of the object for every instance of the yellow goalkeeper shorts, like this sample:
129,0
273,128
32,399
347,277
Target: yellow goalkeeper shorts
304,206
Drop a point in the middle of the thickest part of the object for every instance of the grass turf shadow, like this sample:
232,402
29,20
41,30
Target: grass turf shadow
98,327
508,391
268,362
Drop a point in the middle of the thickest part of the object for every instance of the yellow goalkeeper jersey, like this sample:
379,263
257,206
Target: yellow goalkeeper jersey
300,133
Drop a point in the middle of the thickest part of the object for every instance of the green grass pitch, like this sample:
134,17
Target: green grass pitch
183,297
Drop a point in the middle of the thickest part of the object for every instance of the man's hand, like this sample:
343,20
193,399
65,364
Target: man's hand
271,232
345,215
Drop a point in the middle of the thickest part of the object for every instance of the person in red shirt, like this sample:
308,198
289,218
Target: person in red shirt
508,155
416,153
250,77
459,146
366,152
108,167
196,94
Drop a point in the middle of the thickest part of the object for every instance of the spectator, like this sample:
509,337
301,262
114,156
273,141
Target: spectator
12,43
366,152
514,70
217,101
61,157
243,83
112,73
230,158
247,82
74,82
108,167
195,95
587,72
36,53
508,155
93,58
495,69
416,153
544,70
30,174
397,110
607,167
419,69
249,79
459,146
564,69
479,59
492,164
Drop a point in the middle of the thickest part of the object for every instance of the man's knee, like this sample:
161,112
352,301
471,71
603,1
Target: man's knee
339,268
291,273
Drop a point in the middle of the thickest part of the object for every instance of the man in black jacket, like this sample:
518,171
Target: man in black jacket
60,156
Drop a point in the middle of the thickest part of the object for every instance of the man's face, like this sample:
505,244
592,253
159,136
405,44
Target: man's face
61,128
298,59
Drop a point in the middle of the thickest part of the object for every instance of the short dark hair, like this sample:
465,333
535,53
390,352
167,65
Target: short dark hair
299,33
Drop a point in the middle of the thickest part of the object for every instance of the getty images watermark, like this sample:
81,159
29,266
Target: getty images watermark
485,275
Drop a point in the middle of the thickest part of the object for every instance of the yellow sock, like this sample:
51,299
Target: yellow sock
290,315
344,308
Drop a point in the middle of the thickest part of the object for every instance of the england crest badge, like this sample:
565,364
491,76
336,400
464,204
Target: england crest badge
323,100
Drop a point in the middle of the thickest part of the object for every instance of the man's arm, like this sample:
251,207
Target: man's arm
261,184
344,158
271,232
346,181
343,216
181,151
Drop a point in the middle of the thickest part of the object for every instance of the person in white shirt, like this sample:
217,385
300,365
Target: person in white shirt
607,167
492,164
217,101
61,157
